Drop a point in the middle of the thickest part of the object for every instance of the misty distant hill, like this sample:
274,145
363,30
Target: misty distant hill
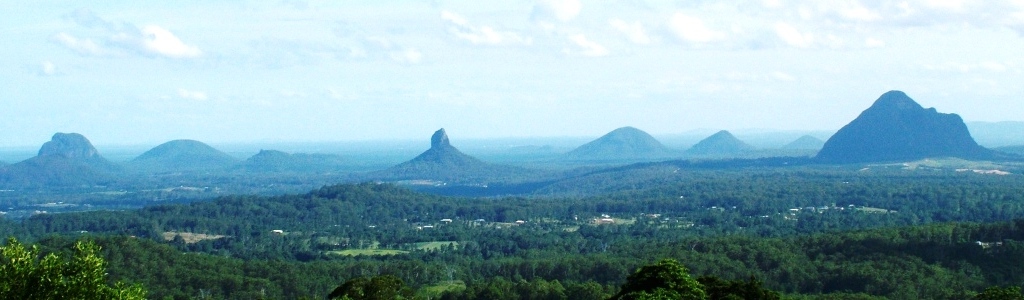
67,160
444,162
626,143
721,143
896,128
279,161
996,134
182,156
1017,150
805,143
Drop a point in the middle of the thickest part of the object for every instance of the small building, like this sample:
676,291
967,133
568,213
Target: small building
277,231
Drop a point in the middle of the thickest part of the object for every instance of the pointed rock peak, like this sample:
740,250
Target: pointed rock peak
896,100
70,145
439,140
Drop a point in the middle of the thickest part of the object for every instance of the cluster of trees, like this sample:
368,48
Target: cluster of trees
26,274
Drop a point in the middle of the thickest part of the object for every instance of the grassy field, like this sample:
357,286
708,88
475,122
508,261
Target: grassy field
435,291
369,252
189,237
431,246
375,250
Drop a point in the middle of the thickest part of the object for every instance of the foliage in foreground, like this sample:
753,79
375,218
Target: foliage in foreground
23,275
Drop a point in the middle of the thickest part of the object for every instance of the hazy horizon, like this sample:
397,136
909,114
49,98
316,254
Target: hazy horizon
308,71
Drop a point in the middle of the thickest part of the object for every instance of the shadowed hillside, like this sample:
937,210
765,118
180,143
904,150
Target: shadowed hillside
67,160
897,128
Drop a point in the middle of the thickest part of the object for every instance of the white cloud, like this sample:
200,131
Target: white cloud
874,43
407,56
950,5
82,46
634,31
561,10
192,95
484,35
771,3
989,66
122,38
588,47
161,41
780,76
855,11
692,29
792,36
47,68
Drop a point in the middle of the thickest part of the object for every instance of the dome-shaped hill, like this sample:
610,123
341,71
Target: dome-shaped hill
626,143
182,155
68,159
722,143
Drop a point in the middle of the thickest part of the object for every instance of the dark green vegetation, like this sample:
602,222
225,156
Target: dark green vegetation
26,274
747,226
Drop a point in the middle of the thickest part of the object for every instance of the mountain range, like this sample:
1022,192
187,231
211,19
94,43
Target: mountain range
893,128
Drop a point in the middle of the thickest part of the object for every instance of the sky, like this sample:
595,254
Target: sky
131,72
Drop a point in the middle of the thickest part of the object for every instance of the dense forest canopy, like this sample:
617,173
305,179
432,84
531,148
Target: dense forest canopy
802,231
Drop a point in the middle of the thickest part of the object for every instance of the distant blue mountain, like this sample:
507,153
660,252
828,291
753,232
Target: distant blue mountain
445,163
278,161
182,155
721,143
67,160
625,143
805,143
896,128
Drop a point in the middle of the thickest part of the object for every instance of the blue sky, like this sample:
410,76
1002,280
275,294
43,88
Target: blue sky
134,72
